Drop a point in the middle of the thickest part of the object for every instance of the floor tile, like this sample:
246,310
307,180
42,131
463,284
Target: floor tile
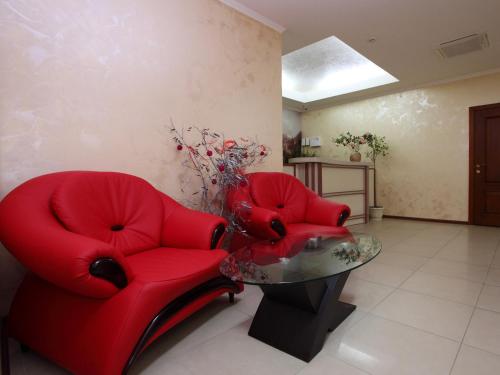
490,298
159,366
496,259
249,304
493,277
371,227
383,347
433,241
216,318
478,229
413,225
390,238
439,268
17,360
435,315
484,331
364,294
35,364
442,231
387,243
484,236
480,255
354,318
472,361
324,364
460,270
249,290
382,274
234,352
396,226
416,249
393,258
458,290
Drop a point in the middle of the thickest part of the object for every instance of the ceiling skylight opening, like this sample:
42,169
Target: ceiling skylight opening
329,68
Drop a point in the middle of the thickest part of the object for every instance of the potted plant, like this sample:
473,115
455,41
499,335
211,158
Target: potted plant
377,146
354,142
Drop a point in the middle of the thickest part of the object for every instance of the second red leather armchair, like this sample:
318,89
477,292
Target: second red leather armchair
273,204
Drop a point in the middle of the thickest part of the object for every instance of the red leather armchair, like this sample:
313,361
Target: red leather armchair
112,264
273,204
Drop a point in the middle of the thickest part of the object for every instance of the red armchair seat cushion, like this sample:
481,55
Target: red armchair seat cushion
192,267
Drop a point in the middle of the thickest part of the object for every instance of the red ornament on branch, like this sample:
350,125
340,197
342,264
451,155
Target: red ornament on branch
219,163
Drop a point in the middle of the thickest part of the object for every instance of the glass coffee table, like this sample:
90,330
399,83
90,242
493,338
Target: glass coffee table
302,277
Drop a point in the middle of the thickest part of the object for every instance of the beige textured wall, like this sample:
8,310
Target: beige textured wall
426,174
94,84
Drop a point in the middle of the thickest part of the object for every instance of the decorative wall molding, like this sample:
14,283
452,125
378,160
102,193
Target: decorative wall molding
253,14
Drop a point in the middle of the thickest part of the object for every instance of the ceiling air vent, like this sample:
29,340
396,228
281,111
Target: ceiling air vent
461,46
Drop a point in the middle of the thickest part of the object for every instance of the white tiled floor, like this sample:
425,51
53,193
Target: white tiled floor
430,304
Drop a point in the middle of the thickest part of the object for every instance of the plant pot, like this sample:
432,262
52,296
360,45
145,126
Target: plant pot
376,213
355,156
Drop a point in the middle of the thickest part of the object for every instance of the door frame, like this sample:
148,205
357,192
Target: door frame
472,111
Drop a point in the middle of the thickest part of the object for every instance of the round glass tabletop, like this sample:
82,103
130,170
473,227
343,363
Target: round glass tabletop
300,258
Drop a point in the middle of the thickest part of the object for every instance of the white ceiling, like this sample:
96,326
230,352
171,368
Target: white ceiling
328,68
406,32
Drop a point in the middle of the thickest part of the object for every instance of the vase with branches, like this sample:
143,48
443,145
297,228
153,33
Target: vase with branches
220,164
377,147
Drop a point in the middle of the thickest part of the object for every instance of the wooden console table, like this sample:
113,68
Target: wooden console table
342,181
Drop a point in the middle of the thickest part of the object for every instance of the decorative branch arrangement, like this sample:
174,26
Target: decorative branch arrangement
219,163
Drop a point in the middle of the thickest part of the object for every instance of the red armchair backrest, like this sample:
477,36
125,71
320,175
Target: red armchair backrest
75,229
281,193
122,210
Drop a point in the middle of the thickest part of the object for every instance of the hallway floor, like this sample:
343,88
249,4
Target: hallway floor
428,304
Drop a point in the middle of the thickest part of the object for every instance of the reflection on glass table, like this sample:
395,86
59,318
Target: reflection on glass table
300,258
302,277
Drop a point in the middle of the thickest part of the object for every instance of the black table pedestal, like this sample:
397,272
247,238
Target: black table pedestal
296,317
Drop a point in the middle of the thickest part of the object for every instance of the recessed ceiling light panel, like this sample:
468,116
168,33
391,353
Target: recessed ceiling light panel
328,68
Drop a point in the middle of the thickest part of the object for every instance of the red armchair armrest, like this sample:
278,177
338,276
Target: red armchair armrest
258,221
262,223
324,212
71,261
190,229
